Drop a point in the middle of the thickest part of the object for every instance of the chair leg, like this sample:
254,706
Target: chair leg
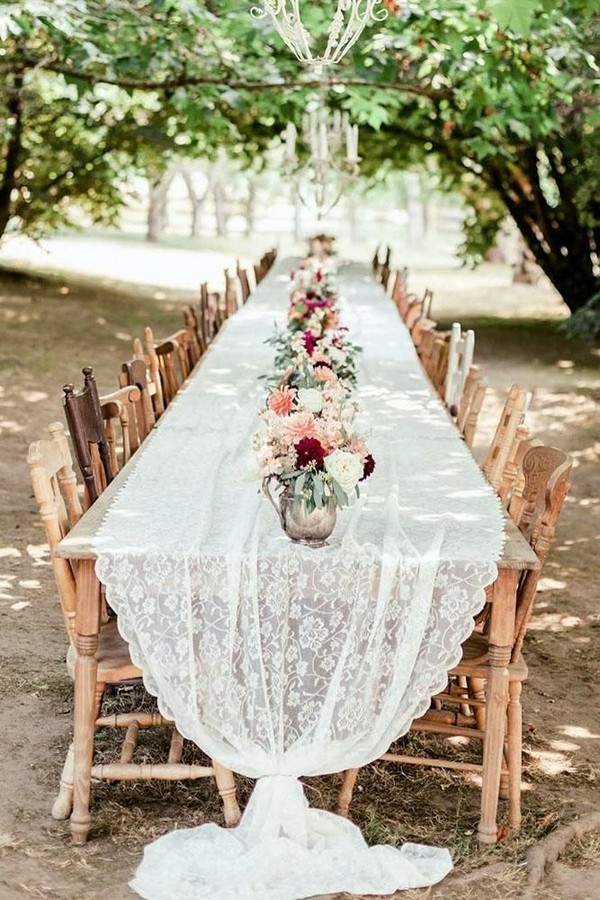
63,805
515,748
226,787
493,744
477,692
346,790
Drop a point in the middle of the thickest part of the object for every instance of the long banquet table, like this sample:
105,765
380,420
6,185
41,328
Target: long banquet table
280,660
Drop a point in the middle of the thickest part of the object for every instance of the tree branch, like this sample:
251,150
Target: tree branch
184,79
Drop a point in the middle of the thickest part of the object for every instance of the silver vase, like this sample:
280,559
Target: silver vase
303,527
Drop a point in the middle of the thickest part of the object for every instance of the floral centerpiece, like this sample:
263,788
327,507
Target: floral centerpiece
331,355
308,445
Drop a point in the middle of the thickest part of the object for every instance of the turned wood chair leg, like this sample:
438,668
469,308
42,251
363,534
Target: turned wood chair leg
487,832
477,692
226,787
515,748
345,794
505,776
63,805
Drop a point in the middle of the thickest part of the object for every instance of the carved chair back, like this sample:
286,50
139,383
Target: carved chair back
470,404
506,436
86,425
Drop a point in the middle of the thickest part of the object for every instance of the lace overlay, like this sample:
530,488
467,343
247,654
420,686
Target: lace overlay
277,659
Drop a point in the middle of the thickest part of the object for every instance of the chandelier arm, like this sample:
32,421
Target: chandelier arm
359,20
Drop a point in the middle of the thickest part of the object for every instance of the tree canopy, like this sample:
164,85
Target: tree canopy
502,96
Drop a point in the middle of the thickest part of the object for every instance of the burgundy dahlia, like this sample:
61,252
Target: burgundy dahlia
368,467
310,342
309,451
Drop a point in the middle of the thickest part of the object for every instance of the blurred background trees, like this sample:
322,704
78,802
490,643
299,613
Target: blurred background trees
495,103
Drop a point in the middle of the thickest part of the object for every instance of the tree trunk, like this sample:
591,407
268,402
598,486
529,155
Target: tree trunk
250,210
157,205
560,242
197,201
13,152
220,209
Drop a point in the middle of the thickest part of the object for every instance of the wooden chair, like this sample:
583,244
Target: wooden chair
375,261
506,435
460,359
192,325
119,412
86,425
470,404
384,277
136,373
55,490
400,289
460,710
438,366
164,359
231,294
427,303
242,275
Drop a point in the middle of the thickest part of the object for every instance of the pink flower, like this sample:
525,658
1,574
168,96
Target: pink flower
324,373
301,425
281,401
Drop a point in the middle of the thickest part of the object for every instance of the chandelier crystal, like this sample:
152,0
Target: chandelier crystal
332,162
347,25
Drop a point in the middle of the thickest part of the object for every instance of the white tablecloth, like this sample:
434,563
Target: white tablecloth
277,659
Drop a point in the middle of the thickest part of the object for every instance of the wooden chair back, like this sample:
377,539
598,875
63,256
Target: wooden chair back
427,303
120,411
375,261
384,277
506,435
55,490
163,360
439,364
135,373
546,472
460,359
192,324
242,275
414,312
212,313
470,404
400,288
231,294
86,425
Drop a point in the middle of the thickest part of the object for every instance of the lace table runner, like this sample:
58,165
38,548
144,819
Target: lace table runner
279,660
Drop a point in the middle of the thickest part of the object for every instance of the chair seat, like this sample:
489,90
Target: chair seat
475,662
114,661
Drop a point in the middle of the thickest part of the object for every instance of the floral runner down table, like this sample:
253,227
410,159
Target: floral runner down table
281,659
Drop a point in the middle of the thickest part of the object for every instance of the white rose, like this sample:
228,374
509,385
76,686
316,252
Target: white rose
344,467
311,399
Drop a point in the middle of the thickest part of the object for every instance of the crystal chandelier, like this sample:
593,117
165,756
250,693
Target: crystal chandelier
333,162
347,25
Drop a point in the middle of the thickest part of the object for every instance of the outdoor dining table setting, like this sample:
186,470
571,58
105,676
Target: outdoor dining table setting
295,557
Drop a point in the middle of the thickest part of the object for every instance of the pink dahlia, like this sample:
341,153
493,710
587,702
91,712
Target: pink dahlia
281,401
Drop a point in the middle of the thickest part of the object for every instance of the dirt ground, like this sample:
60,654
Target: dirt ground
48,330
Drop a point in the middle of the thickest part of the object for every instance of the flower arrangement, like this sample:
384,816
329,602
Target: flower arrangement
331,355
309,445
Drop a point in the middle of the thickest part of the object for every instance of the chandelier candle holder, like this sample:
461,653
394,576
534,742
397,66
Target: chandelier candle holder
333,161
346,27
